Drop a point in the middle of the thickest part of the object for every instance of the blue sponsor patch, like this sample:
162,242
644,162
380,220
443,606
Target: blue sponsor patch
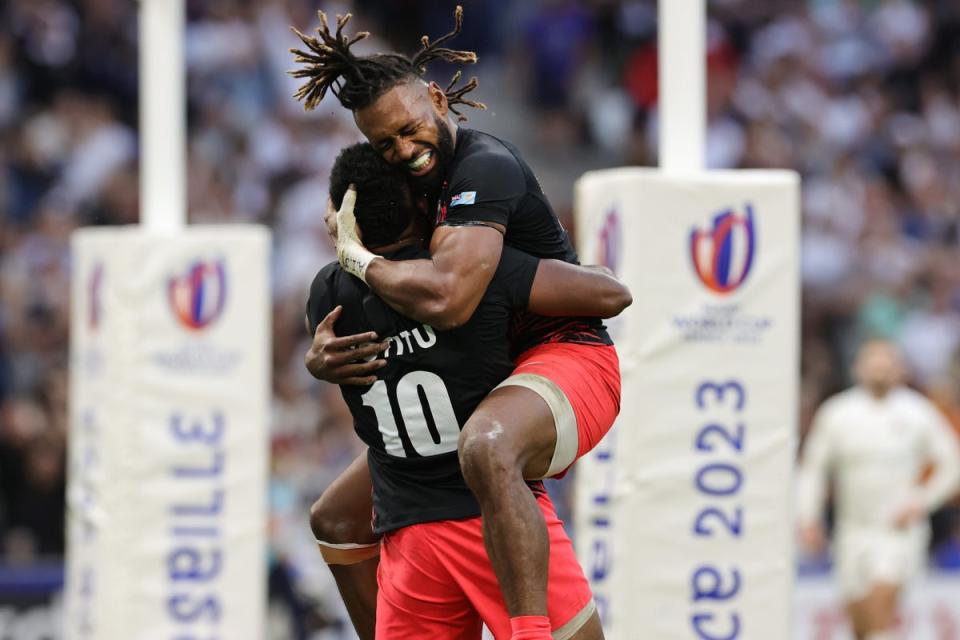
467,197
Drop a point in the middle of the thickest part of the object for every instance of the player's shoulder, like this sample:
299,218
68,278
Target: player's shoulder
912,400
332,285
321,298
328,271
325,279
841,402
481,144
908,395
486,157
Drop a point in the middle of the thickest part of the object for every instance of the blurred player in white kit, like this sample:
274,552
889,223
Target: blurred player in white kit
876,439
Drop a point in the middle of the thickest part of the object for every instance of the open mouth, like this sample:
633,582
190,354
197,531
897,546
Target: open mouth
422,164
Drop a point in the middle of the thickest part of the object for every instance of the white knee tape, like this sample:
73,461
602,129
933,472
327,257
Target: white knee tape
576,623
348,552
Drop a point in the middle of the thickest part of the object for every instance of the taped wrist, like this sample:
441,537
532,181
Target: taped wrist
355,258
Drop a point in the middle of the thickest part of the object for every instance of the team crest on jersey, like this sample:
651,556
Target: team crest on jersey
467,197
722,256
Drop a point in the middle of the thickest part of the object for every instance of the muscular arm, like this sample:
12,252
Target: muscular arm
445,290
564,289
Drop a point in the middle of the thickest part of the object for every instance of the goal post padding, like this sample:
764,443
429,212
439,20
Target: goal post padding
683,513
169,422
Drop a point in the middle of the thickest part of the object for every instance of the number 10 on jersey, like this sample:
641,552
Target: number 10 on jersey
419,410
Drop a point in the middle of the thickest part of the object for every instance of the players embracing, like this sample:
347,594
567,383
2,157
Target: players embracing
564,391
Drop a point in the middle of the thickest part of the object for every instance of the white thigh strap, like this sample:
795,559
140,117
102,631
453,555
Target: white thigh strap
564,419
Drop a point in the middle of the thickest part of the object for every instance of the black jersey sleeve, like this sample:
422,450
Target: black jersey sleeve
484,187
322,298
514,277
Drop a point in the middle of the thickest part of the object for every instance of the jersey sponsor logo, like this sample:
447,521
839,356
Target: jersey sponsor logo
197,297
723,255
467,197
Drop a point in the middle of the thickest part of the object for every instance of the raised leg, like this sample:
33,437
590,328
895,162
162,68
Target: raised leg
510,436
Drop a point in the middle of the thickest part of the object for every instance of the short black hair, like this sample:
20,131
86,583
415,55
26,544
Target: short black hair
384,204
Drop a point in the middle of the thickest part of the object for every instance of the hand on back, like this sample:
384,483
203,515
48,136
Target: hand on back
345,359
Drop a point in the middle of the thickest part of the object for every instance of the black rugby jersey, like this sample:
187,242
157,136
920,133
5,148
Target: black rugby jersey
490,182
411,417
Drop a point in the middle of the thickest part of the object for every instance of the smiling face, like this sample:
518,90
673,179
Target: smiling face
408,126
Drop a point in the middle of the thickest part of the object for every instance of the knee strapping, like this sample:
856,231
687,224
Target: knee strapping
347,553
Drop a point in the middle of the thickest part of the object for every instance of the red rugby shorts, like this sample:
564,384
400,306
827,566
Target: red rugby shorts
581,384
437,582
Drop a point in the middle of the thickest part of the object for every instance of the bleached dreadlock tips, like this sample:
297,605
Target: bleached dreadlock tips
341,23
330,65
455,80
360,36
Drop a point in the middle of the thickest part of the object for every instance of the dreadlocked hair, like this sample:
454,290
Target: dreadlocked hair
357,81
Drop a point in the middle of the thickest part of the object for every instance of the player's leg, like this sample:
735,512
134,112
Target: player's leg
417,596
858,616
895,556
510,432
851,553
567,588
560,401
591,630
341,524
881,608
570,606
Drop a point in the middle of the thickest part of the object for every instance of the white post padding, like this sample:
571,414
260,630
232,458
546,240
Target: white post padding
169,399
683,513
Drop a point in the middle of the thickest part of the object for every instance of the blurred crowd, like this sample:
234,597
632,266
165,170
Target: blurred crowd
860,96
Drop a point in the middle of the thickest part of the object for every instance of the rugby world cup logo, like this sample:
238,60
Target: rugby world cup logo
197,297
723,255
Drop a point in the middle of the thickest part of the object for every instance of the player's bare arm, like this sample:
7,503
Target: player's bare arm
445,290
342,360
564,289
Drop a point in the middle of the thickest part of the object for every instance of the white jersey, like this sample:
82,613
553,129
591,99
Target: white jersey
876,450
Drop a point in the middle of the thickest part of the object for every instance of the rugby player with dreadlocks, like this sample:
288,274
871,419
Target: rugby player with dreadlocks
421,504
565,389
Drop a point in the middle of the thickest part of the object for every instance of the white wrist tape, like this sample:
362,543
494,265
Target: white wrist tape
353,256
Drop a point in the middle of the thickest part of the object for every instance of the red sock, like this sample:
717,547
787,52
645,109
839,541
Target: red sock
530,628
